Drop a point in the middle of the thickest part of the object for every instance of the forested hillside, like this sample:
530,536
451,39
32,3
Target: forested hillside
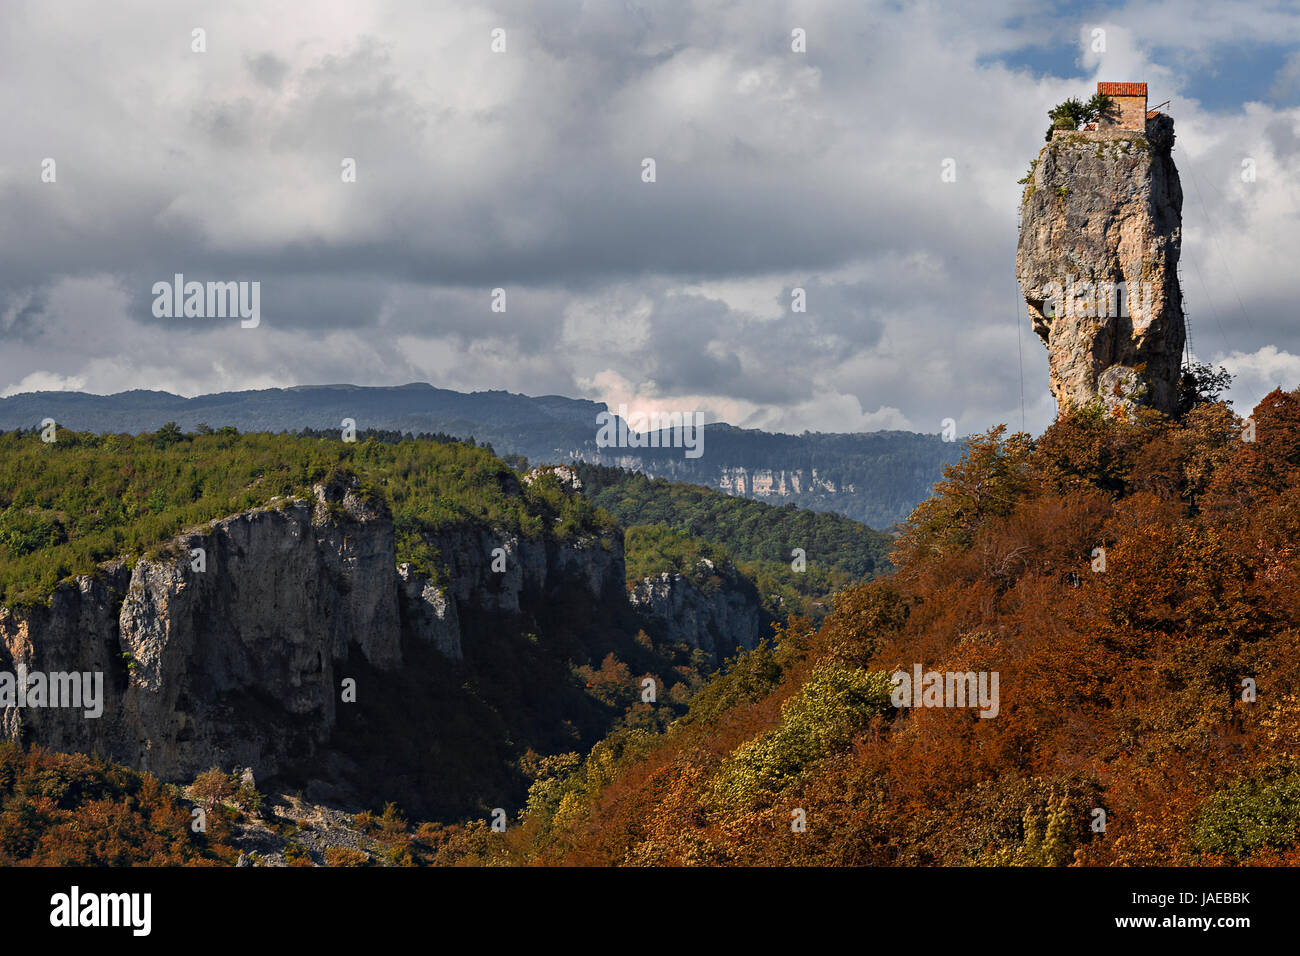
75,810
1133,583
767,542
541,673
875,477
67,505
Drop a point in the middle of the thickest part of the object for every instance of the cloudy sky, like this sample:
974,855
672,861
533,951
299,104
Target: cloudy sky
523,170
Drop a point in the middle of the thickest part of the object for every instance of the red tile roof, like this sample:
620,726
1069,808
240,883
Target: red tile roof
1122,89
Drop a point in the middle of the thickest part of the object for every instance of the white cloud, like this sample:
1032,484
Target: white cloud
522,170
45,382
1258,373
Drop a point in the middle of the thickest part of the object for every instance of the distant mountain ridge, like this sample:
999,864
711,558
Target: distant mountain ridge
874,477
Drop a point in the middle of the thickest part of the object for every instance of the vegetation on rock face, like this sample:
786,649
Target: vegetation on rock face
656,549
84,499
663,518
1123,684
751,530
889,471
1074,114
558,677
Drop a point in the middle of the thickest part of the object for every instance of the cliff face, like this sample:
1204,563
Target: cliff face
242,663
767,483
719,618
736,479
1101,228
77,632
881,492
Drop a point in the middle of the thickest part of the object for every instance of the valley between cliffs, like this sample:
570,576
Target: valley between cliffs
288,639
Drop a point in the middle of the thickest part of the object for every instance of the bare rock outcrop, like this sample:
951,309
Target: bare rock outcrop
1101,228
229,645
719,615
429,611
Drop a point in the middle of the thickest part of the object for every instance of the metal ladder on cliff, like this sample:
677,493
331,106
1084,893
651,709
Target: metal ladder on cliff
1018,312
1189,353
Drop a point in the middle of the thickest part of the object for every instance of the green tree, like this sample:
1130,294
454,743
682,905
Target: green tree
168,435
1201,384
1074,113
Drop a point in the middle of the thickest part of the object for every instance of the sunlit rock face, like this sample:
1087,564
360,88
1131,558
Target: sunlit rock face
1100,233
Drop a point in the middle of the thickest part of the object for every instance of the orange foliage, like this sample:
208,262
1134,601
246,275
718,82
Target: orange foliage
1121,689
78,810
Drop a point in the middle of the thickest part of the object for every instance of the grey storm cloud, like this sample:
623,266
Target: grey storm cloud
522,170
267,69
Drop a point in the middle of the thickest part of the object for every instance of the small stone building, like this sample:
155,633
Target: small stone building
1130,109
